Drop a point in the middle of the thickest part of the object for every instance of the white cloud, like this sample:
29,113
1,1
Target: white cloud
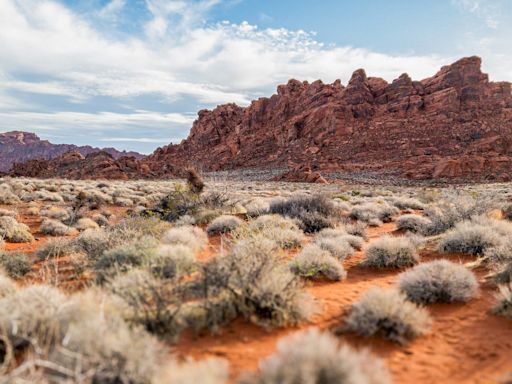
179,58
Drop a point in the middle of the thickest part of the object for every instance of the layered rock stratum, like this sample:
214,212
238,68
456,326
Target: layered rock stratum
18,146
453,126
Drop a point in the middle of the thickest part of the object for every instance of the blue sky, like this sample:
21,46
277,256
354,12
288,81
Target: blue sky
133,73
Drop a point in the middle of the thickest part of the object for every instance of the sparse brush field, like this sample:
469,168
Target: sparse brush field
253,282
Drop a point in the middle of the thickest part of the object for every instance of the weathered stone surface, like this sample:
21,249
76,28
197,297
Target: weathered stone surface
303,174
454,125
17,146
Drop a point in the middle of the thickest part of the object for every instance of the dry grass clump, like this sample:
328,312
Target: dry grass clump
193,237
315,356
373,212
438,281
7,197
252,282
7,212
357,229
257,207
314,213
391,252
33,211
173,261
451,210
100,219
314,262
55,228
56,213
16,264
150,302
503,304
414,223
209,371
54,248
14,232
123,257
476,236
507,211
85,223
223,224
284,232
338,247
73,339
406,203
387,313
7,286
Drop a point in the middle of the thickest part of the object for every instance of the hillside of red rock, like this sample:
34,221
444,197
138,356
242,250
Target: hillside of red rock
74,165
454,125
17,146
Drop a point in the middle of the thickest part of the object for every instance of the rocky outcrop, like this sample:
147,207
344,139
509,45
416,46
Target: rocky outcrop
454,125
74,165
302,174
17,146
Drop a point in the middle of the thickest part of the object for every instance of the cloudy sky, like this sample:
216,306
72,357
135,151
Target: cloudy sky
133,73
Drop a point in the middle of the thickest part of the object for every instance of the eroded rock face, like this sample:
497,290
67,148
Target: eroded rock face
454,125
17,146
73,165
302,174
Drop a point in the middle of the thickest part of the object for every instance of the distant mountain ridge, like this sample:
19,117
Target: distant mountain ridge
19,147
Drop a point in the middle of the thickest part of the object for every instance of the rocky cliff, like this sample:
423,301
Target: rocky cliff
17,146
454,125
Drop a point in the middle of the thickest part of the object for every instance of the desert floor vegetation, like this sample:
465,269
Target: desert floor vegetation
227,280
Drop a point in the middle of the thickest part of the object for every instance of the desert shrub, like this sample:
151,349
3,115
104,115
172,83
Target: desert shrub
438,281
357,229
183,200
314,213
503,304
173,261
56,213
7,286
391,252
406,203
100,219
13,231
76,338
473,237
210,371
414,223
284,232
144,226
123,201
7,212
223,224
92,242
124,257
314,262
372,212
151,302
204,216
15,264
54,248
55,228
387,313
193,237
449,211
33,211
253,283
507,211
86,223
43,195
337,246
7,197
257,207
79,263
315,356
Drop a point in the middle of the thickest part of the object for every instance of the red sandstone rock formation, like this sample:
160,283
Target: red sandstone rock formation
456,124
17,146
73,165
303,174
